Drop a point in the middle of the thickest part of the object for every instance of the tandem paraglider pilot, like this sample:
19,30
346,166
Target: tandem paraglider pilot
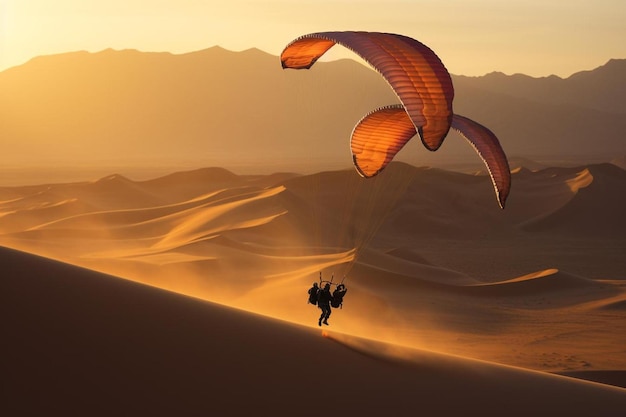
325,300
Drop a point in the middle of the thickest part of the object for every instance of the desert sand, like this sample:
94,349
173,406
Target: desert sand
453,305
77,342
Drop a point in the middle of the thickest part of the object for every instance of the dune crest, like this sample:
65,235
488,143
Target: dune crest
595,208
582,180
552,287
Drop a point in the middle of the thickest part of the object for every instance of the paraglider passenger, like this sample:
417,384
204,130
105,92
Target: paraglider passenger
338,294
313,292
323,302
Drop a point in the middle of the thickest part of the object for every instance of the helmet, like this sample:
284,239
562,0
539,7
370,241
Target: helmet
315,284
327,286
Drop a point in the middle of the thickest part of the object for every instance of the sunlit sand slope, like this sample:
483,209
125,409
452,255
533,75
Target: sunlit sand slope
77,342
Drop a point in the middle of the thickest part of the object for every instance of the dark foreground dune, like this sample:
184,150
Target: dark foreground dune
77,342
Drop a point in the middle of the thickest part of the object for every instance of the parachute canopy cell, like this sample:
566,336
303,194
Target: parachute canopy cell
413,71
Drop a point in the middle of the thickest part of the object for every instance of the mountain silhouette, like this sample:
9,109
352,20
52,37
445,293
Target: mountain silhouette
235,109
601,89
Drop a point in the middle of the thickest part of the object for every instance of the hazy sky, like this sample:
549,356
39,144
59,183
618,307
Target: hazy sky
472,37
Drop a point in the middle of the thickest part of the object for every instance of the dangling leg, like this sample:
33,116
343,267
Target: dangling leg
327,315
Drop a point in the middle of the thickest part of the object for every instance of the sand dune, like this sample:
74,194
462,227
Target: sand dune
597,207
542,282
431,262
79,342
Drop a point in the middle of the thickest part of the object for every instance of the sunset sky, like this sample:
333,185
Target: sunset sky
535,37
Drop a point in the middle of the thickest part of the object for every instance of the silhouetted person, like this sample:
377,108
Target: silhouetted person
313,293
338,294
323,302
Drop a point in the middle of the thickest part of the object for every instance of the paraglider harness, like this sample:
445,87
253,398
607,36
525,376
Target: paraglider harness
337,300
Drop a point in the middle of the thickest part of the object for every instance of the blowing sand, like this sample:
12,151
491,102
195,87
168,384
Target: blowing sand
79,342
452,304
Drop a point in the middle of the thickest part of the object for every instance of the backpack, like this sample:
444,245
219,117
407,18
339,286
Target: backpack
337,299
313,292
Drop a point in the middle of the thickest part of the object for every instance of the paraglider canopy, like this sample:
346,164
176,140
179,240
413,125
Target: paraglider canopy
423,86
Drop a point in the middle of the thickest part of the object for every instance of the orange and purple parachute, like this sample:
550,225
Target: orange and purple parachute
423,86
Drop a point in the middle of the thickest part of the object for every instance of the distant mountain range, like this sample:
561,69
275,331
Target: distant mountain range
240,109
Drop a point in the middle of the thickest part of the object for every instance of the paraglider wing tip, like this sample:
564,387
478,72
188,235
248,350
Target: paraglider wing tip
286,65
357,167
488,147
501,202
360,171
302,61
502,199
